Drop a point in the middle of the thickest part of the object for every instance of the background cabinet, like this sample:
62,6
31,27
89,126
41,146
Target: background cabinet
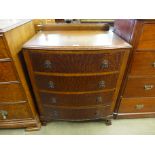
16,103
137,95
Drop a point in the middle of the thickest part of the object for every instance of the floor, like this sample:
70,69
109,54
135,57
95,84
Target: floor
123,126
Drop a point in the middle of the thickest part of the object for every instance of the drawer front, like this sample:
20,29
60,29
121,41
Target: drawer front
147,38
14,111
76,100
76,114
7,72
11,93
3,51
75,63
140,87
143,63
88,83
137,105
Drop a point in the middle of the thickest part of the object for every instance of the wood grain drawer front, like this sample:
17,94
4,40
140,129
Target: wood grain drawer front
3,51
137,105
76,114
75,63
7,72
82,83
76,100
14,111
140,87
11,93
143,63
147,38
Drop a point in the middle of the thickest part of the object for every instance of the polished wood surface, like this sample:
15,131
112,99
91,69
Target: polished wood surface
144,87
15,112
72,67
147,37
137,105
75,40
76,100
11,92
139,80
124,29
7,72
143,64
75,84
3,48
14,89
77,114
72,27
53,62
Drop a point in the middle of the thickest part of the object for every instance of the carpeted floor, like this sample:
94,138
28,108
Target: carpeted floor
123,126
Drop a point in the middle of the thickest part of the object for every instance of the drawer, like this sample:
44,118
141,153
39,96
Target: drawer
80,83
3,50
143,63
14,111
76,100
7,72
11,93
140,87
75,63
137,105
147,38
76,114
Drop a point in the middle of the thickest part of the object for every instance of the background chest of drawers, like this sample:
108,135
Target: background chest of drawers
137,96
76,75
16,104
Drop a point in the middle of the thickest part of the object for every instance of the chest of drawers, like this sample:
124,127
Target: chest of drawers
137,96
16,104
76,75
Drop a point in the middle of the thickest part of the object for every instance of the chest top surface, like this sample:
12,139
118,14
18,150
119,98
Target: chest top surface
9,24
76,40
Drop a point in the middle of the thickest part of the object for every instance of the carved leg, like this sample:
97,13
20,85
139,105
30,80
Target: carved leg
108,122
44,123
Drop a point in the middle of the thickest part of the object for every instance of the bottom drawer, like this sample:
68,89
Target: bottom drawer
76,114
137,105
14,111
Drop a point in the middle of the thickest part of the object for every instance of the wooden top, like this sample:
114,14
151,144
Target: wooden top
6,25
75,40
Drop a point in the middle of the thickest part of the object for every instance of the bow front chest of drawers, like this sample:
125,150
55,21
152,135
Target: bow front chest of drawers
76,74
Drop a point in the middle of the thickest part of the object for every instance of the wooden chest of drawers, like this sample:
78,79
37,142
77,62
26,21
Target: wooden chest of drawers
137,96
16,103
74,75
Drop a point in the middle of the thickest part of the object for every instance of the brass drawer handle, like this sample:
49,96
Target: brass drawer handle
148,87
47,64
102,84
153,64
139,106
55,114
104,64
99,99
53,100
4,114
51,84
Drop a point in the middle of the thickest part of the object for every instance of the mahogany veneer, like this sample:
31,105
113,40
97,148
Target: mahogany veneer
16,103
137,95
76,72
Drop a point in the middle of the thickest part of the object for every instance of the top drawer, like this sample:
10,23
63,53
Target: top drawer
147,38
75,63
3,51
143,64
